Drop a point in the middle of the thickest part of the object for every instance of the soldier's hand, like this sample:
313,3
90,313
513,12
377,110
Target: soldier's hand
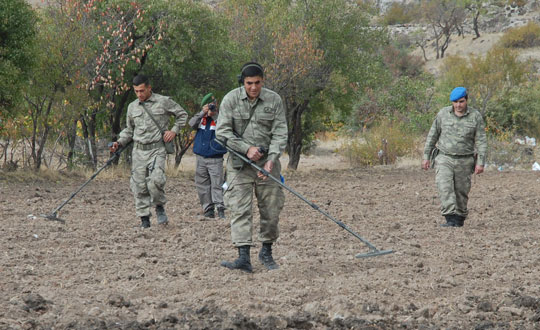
254,154
168,136
268,166
478,169
205,109
114,146
425,164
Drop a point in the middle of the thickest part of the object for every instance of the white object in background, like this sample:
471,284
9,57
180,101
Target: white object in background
536,166
530,141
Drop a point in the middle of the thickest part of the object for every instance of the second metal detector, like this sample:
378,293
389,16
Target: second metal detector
54,214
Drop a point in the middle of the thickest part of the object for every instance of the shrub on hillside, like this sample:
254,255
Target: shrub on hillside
383,144
522,37
398,13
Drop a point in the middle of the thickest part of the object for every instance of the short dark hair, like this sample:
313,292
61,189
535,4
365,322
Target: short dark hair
140,79
252,69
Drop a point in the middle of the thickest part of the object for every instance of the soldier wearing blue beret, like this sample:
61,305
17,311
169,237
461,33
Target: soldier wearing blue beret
456,146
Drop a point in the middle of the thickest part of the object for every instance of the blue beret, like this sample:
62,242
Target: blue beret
458,93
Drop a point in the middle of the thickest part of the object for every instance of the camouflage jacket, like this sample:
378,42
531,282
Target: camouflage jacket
142,129
267,127
458,136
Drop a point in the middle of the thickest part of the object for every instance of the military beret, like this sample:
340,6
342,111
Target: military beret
458,93
208,98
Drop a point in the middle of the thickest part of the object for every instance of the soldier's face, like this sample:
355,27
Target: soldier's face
253,86
143,91
460,105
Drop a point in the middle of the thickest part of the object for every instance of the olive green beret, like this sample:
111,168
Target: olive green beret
208,98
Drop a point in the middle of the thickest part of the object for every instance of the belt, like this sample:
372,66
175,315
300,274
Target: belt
457,156
149,146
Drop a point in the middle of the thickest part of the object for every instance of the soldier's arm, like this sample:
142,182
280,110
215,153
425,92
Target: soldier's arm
481,141
432,137
196,120
126,135
225,126
279,133
180,115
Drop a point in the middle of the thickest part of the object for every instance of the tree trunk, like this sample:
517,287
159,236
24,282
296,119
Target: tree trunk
294,141
44,136
475,24
72,137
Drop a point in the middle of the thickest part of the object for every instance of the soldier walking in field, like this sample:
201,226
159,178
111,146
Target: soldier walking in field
252,121
457,144
144,115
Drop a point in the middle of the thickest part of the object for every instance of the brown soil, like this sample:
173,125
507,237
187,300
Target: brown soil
100,270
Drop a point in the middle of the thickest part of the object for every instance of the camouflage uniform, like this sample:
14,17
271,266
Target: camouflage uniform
149,155
267,128
457,139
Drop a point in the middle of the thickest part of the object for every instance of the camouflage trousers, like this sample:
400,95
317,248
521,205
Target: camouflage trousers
453,178
208,180
239,199
148,179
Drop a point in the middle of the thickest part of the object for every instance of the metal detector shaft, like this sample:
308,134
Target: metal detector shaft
373,250
53,214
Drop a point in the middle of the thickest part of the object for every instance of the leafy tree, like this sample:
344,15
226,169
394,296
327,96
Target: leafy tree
486,76
53,84
312,51
17,34
193,58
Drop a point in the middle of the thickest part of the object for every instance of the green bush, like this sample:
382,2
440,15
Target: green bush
398,13
369,149
522,37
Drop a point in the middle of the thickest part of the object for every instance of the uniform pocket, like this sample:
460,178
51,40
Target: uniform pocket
266,119
468,130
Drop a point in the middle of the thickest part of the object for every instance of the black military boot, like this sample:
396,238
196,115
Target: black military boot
145,222
265,257
221,213
243,262
210,213
459,220
161,215
450,221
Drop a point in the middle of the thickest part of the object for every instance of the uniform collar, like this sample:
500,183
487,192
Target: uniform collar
245,96
151,99
451,110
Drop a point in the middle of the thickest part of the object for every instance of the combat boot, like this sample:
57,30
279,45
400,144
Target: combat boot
209,213
161,215
221,212
145,222
265,257
243,262
450,221
459,220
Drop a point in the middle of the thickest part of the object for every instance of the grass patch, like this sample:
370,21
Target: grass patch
522,37
381,145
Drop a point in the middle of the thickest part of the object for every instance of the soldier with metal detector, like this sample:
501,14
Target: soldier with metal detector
456,145
252,122
146,124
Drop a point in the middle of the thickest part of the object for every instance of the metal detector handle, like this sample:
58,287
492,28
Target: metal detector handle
115,155
313,205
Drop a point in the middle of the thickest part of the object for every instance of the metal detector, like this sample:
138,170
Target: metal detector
53,215
373,251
